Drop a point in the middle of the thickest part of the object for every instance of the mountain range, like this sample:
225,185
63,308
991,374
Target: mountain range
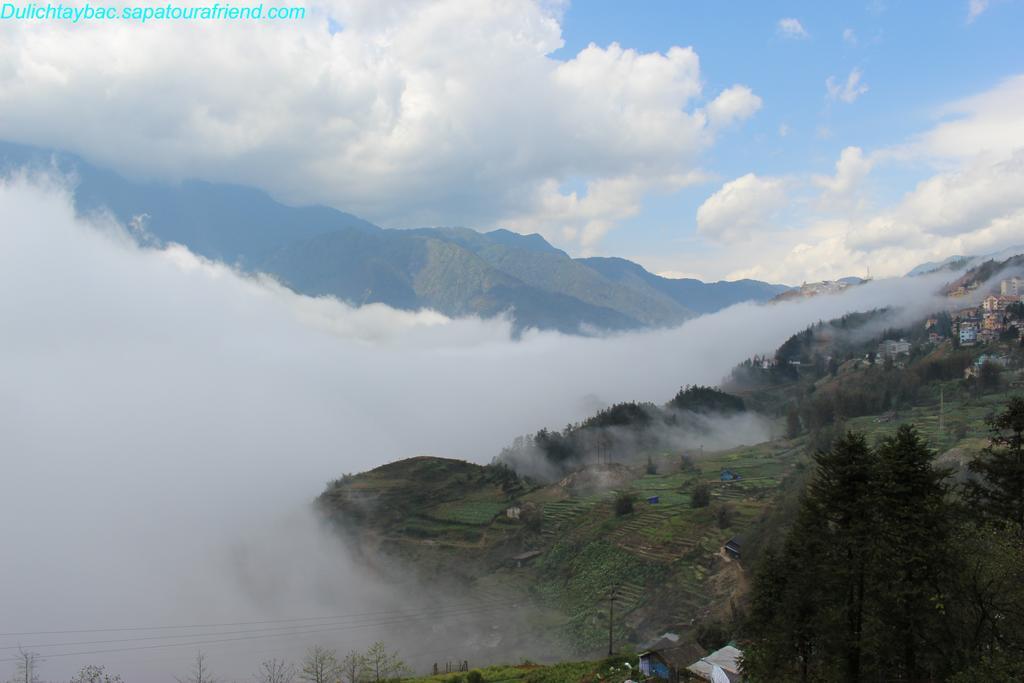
317,250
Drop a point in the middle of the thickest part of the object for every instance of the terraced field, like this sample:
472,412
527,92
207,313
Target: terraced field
691,598
665,558
960,413
561,514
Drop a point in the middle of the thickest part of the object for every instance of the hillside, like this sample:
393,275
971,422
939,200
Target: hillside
414,269
318,250
568,546
562,545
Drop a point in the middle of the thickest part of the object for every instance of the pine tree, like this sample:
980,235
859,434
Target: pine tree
998,490
843,487
912,544
788,607
859,570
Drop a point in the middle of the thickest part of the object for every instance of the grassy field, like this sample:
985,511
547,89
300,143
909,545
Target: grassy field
468,511
963,418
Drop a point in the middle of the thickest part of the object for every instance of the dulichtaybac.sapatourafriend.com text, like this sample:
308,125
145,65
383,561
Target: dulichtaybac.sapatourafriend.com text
33,11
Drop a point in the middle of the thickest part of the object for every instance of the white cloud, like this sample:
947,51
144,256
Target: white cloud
740,208
792,28
969,201
981,204
849,91
975,8
783,130
988,124
733,104
849,36
587,217
386,118
851,168
976,209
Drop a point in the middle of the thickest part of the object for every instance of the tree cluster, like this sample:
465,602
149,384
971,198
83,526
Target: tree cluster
319,665
886,573
621,431
323,665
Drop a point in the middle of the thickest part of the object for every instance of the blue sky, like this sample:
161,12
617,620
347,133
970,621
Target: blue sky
782,141
915,57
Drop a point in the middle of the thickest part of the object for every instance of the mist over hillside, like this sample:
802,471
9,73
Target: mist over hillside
511,341
169,406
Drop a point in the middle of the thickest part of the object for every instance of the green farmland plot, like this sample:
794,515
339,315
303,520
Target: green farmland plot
665,497
468,511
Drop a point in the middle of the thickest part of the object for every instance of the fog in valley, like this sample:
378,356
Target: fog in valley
166,423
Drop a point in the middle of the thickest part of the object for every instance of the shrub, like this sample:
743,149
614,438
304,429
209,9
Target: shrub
701,496
624,503
724,516
475,676
712,635
532,518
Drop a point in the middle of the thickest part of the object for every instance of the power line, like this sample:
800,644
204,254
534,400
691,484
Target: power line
211,625
414,617
438,612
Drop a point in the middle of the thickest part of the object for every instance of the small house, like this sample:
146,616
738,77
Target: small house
891,348
667,658
721,666
729,475
733,547
988,336
513,512
653,500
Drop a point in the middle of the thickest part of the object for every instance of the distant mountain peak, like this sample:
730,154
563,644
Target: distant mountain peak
458,271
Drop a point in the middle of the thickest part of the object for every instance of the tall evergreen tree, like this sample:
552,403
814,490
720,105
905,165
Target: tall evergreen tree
788,607
885,576
844,487
997,491
856,593
985,624
913,541
809,602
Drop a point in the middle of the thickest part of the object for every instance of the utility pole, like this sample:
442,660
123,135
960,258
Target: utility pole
611,615
942,412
